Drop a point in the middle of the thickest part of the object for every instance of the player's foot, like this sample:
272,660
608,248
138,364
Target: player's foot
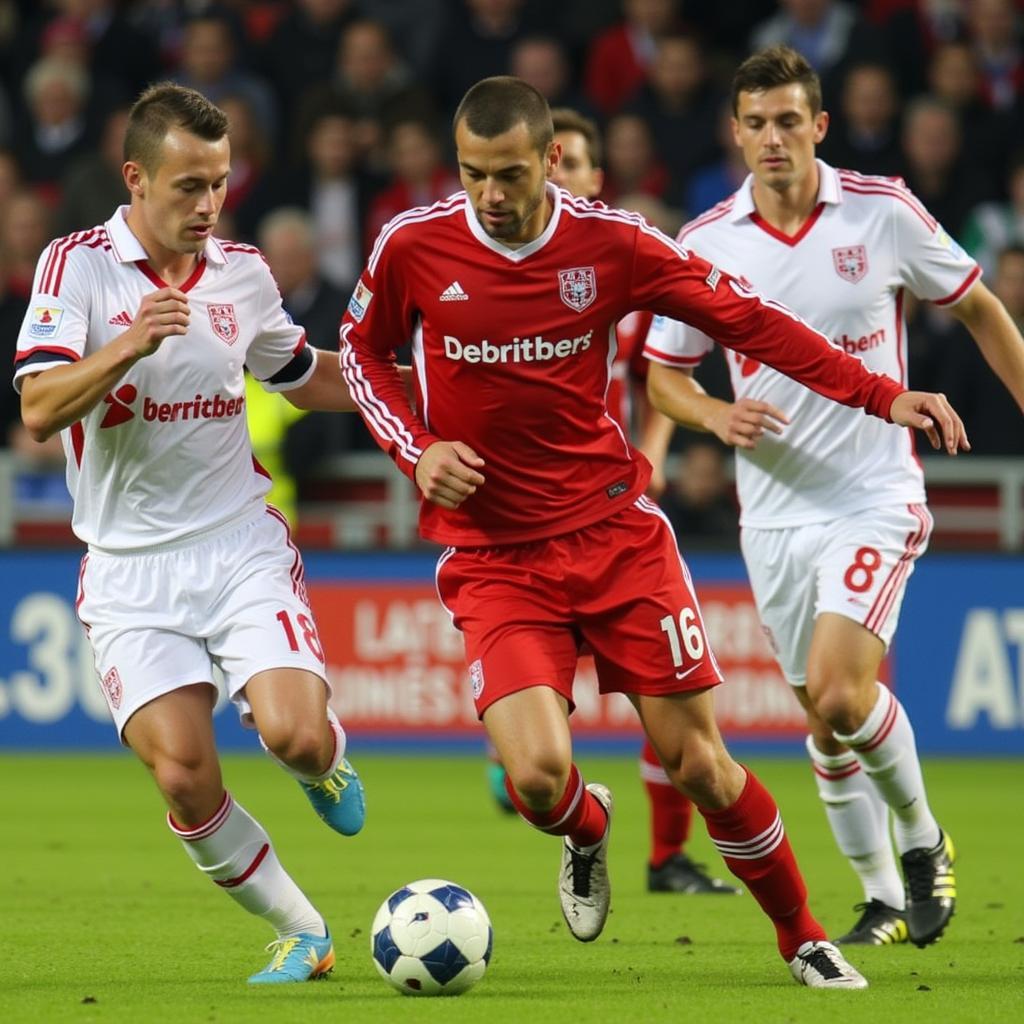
680,874
496,782
878,925
583,885
302,957
821,965
339,799
931,890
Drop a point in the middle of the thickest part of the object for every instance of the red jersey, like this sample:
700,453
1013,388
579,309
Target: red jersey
630,366
513,348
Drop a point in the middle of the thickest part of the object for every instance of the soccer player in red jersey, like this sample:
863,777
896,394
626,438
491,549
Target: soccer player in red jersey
669,869
511,291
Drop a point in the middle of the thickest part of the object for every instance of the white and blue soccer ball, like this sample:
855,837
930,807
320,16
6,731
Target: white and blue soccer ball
431,938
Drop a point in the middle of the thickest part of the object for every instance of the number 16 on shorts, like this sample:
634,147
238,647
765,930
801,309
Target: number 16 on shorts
685,635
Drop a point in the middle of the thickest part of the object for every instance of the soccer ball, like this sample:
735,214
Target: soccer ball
431,938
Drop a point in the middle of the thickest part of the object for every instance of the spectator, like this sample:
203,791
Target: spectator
680,104
621,56
543,62
54,132
93,185
24,231
994,226
934,164
209,64
416,26
418,175
631,163
250,151
699,501
716,181
867,135
995,34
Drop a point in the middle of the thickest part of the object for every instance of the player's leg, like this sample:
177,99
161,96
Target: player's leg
784,566
745,825
260,631
530,732
173,736
669,868
862,579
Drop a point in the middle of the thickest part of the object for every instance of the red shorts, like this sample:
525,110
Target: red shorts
620,586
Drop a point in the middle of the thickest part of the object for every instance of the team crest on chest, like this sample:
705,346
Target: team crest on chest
851,262
222,319
578,287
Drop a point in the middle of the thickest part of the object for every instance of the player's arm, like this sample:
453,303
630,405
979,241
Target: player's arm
996,335
326,390
677,393
61,395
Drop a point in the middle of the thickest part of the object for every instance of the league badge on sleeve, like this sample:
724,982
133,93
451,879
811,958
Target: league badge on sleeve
45,321
578,287
360,302
851,262
222,319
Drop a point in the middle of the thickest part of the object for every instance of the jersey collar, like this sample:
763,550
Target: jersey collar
517,255
829,191
128,249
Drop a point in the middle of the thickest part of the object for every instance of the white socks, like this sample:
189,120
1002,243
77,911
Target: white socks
885,748
859,820
234,850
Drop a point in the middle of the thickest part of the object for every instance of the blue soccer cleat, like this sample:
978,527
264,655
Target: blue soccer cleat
302,957
339,799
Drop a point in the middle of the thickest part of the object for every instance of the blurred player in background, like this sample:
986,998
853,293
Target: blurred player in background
669,869
833,504
133,348
511,292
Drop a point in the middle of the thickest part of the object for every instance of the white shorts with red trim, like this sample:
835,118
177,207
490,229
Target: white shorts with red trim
160,620
857,566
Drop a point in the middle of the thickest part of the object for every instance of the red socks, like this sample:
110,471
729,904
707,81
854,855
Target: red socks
750,837
671,812
578,814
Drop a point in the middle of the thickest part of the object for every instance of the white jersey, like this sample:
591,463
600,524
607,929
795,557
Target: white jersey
166,455
845,272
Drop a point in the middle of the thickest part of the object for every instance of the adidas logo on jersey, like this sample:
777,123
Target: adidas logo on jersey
121,319
454,293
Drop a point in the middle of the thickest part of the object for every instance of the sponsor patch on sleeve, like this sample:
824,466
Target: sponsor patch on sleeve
45,321
360,302
945,239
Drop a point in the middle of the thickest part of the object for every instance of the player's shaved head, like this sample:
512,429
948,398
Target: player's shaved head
165,106
778,65
496,105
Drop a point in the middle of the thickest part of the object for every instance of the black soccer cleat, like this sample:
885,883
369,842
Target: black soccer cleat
680,874
931,890
879,925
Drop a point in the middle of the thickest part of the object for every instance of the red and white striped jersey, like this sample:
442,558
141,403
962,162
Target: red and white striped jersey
512,351
868,241
166,455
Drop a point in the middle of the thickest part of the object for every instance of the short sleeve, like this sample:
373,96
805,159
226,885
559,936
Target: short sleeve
278,357
676,344
56,322
932,265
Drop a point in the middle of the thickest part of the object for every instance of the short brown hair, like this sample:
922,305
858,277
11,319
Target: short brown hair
496,105
778,65
565,119
164,106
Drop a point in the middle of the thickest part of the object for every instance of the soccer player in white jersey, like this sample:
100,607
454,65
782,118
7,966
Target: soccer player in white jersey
133,348
833,503
511,292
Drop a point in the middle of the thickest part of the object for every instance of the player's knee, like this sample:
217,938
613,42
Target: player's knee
539,785
836,703
183,780
298,745
701,774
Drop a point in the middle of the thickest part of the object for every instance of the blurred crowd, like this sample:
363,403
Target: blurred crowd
340,114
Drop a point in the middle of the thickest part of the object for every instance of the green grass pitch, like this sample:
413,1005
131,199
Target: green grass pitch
105,919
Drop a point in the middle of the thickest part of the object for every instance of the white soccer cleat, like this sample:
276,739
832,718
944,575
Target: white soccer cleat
821,965
583,885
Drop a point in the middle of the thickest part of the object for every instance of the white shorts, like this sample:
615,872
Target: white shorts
857,566
162,619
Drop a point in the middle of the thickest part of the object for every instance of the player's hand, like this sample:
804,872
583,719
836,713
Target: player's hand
742,423
933,414
160,315
447,473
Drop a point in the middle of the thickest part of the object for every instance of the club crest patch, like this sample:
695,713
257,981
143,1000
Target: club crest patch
851,262
112,688
476,678
578,287
222,319
45,321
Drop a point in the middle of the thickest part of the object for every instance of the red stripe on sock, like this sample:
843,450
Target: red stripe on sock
231,883
204,828
886,727
834,774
